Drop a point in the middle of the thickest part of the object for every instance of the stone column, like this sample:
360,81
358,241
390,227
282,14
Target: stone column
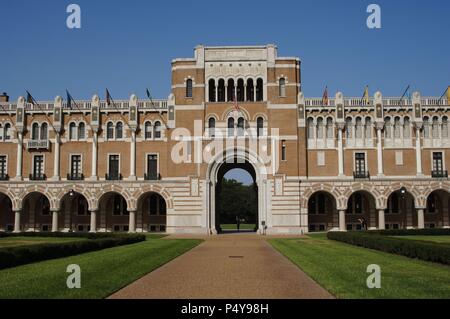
418,150
420,218
94,156
56,175
17,214
133,156
380,149
93,221
340,151
342,225
381,219
245,92
19,156
132,222
217,93
55,214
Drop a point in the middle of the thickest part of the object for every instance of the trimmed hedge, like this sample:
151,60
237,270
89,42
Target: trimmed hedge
428,251
21,255
413,232
63,235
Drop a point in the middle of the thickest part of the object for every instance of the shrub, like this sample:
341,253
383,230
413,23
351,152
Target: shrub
21,255
427,251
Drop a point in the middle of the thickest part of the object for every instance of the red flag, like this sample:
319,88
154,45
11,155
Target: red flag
325,97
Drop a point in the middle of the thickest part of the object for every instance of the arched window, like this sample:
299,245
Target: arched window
212,90
212,127
230,90
330,130
435,127
406,128
148,130
348,127
44,131
241,126
359,128
426,127
397,127
110,131
368,128
189,88
221,91
310,128
119,130
259,90
282,87
72,131
35,131
444,127
387,128
231,126
320,128
250,90
81,131
7,132
240,90
158,130
260,126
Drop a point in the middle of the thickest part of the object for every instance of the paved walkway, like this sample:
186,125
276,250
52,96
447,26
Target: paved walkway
229,266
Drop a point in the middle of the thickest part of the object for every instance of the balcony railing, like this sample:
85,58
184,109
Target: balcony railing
439,174
361,175
113,177
4,177
75,177
38,144
152,177
38,177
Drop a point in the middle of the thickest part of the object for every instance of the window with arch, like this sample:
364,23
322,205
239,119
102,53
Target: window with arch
426,127
406,128
260,126
81,131
230,90
212,90
119,130
368,127
259,90
444,128
397,127
250,90
282,87
110,131
348,128
387,128
44,131
231,126
241,126
212,127
435,127
359,128
148,130
240,90
221,91
72,131
7,132
330,130
320,128
310,128
35,131
189,88
158,130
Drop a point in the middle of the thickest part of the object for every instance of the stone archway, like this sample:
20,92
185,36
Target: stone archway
215,169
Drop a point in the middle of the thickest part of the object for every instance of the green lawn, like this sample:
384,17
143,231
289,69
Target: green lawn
21,241
234,226
435,239
102,272
341,269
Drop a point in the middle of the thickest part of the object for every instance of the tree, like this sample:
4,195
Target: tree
236,199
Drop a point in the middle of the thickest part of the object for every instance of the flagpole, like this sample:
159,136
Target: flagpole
153,105
117,109
33,101
82,113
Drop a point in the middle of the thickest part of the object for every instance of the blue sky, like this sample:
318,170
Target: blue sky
128,45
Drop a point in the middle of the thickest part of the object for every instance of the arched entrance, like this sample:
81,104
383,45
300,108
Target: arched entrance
322,213
223,162
75,215
152,216
6,214
236,200
361,207
437,212
400,212
114,214
36,213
